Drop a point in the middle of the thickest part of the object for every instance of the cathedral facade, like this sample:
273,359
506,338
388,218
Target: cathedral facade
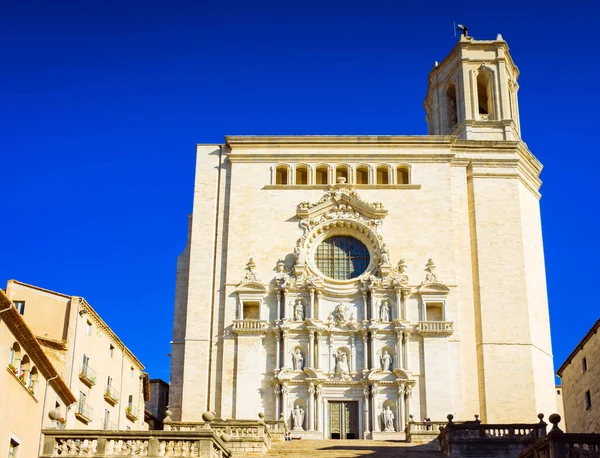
347,284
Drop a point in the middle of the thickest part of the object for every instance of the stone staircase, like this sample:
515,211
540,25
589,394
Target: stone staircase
352,449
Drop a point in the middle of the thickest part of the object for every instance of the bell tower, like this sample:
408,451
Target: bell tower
472,93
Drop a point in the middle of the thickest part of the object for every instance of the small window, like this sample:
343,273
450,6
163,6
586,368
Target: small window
383,175
584,364
484,94
362,175
301,175
131,372
109,381
341,172
281,175
402,175
451,106
321,176
130,400
13,449
434,311
111,350
88,328
558,392
251,310
20,306
588,400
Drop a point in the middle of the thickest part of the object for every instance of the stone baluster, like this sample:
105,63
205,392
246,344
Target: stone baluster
407,334
284,402
311,406
311,308
374,359
353,354
284,356
400,415
365,351
311,347
366,411
277,349
399,360
374,414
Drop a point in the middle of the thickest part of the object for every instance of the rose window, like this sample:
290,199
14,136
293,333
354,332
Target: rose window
342,257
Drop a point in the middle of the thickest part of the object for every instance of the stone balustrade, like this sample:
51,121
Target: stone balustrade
105,444
423,431
558,444
435,328
277,429
250,326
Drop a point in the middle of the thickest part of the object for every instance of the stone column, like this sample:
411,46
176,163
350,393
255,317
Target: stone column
405,294
277,350
353,354
311,347
399,359
408,393
366,411
311,406
374,414
278,314
317,305
331,362
311,308
277,392
365,304
398,310
284,356
400,415
284,402
365,351
283,303
407,333
319,390
374,362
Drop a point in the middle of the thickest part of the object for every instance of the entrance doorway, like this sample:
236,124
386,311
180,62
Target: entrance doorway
343,420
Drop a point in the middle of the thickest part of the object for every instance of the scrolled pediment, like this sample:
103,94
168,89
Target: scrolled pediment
250,288
433,288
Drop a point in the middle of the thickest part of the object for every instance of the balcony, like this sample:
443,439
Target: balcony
87,375
109,425
84,412
436,328
111,395
250,326
131,412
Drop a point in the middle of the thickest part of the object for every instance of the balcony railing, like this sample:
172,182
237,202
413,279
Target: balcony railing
131,412
431,328
84,412
109,425
250,326
111,395
87,375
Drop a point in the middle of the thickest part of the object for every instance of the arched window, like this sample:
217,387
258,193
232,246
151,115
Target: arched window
484,94
301,174
342,257
24,372
32,380
321,175
341,171
14,358
281,175
362,174
402,176
451,109
383,175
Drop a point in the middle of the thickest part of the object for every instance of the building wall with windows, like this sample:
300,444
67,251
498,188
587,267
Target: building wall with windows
100,370
328,274
30,387
580,380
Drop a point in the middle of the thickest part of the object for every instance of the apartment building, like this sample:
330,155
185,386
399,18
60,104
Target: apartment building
102,373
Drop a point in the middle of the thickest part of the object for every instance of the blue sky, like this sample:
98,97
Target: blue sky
103,102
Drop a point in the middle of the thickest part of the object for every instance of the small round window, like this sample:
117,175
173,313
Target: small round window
342,257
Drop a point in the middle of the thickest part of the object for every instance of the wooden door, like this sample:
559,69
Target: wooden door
343,420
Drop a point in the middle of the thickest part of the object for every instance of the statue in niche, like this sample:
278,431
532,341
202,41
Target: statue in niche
388,420
341,367
386,361
298,360
385,255
384,310
298,417
298,310
340,313
300,254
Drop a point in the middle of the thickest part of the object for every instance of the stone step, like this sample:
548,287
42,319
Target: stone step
352,449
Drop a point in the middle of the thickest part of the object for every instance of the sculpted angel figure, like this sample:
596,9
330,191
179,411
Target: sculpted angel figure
298,310
298,417
385,255
386,361
388,419
384,311
340,313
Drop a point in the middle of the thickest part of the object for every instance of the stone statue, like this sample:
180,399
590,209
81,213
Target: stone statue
385,255
298,416
384,311
341,367
430,276
300,255
388,420
298,310
340,312
298,360
386,361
